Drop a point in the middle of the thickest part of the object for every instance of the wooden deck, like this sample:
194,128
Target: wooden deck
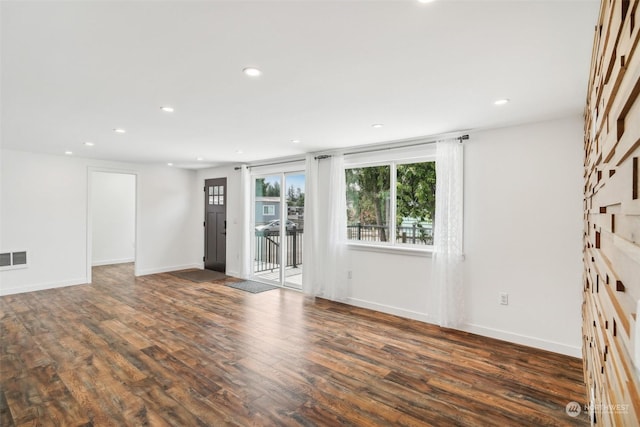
159,350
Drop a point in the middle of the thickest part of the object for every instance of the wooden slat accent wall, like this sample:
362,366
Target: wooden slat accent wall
612,217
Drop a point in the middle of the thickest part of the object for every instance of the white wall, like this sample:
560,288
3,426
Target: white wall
523,225
395,283
113,212
44,205
523,233
44,210
168,224
523,228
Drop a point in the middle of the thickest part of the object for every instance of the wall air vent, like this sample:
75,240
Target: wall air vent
13,260
5,259
19,258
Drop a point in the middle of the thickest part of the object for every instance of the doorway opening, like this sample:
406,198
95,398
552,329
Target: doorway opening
111,225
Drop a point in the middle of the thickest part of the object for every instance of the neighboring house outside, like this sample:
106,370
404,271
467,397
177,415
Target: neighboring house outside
267,209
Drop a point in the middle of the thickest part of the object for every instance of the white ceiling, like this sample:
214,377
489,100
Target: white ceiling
74,71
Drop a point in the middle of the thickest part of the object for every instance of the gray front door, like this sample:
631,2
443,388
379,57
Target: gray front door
215,224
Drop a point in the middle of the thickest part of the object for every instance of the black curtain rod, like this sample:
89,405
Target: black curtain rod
371,150
326,156
271,164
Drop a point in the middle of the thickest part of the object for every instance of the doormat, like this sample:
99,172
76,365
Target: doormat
251,286
200,276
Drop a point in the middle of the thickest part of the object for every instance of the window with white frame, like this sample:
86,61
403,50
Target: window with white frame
268,210
391,203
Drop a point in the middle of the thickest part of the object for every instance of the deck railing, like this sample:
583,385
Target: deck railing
413,234
267,256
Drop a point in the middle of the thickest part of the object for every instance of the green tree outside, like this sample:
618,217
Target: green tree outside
266,189
416,195
368,193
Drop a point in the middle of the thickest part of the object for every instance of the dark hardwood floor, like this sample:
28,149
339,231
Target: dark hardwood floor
159,350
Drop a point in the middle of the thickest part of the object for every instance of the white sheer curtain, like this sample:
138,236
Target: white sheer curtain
335,250
245,246
311,280
325,272
447,298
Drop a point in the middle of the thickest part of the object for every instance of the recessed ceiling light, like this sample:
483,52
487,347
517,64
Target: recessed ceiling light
89,144
295,141
119,130
199,159
239,152
252,72
501,101
68,153
169,164
377,125
425,1
167,109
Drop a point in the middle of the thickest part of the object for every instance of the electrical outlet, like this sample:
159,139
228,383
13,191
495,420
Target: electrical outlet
504,298
349,275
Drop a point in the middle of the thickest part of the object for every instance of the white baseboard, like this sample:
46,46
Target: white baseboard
529,341
112,261
484,331
146,271
234,274
42,286
414,315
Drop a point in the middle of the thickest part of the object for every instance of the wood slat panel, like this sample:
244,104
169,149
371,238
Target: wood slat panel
612,217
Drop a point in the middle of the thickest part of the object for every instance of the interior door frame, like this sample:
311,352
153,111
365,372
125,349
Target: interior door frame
89,249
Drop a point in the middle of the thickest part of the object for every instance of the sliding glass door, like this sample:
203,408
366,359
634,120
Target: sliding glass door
294,202
278,223
267,241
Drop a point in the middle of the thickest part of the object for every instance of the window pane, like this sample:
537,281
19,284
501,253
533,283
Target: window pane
267,242
268,186
416,202
368,191
267,202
